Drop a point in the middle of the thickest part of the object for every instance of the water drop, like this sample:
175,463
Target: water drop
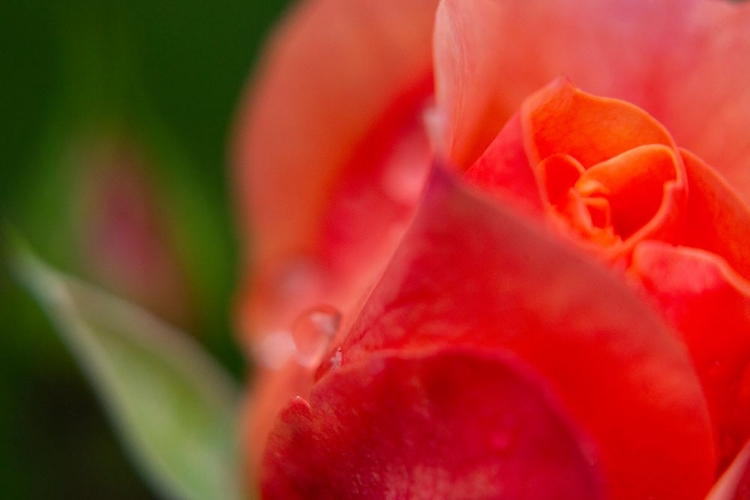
329,363
335,359
313,333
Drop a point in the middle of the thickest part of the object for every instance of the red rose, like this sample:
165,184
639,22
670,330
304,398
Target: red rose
564,312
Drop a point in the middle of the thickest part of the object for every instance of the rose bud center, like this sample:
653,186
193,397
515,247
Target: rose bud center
612,200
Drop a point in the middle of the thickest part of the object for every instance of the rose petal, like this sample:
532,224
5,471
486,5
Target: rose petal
267,395
610,173
718,221
470,273
709,304
562,119
331,74
683,61
504,170
451,424
634,182
734,484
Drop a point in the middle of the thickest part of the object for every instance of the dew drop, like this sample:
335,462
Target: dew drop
330,362
313,332
336,359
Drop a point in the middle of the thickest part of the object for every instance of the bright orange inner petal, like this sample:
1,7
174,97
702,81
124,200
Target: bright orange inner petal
606,168
633,184
613,199
561,119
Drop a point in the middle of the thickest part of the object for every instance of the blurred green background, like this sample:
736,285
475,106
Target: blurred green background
115,123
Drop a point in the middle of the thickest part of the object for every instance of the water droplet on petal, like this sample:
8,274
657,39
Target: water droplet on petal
336,359
331,361
275,349
313,333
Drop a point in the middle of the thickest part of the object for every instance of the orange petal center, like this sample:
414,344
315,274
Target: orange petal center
611,201
608,171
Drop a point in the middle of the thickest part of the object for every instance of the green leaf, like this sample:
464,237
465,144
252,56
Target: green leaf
174,408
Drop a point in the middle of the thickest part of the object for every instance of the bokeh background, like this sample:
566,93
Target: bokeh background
115,118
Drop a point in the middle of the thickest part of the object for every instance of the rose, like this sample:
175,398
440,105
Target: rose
644,416
447,221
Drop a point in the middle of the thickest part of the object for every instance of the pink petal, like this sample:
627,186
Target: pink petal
684,61
471,273
334,72
455,423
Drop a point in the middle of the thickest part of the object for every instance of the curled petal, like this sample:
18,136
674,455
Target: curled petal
468,272
562,119
632,182
608,173
454,423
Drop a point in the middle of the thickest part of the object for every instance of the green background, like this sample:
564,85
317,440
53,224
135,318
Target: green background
164,77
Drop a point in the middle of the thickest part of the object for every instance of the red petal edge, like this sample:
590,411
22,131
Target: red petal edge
455,423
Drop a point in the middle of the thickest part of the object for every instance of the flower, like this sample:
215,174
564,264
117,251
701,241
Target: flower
567,317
